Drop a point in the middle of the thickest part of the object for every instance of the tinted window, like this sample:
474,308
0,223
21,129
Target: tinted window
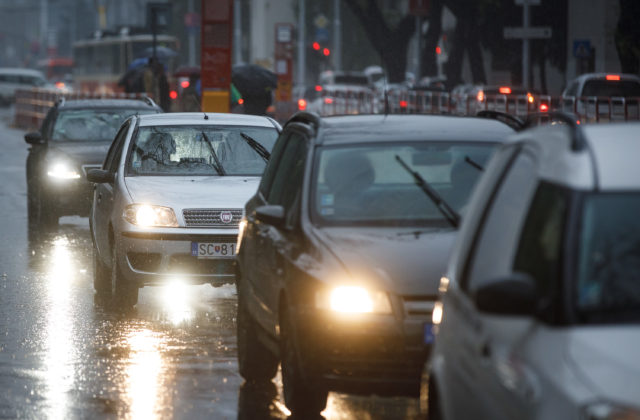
115,151
608,268
274,161
200,150
611,88
288,177
367,185
91,124
540,245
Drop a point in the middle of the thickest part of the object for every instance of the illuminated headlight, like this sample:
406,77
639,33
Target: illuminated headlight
436,315
62,171
146,215
353,299
241,227
607,411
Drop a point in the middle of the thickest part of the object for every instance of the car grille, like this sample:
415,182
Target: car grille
225,218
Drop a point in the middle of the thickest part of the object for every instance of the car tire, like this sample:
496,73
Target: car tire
101,276
123,293
256,363
302,396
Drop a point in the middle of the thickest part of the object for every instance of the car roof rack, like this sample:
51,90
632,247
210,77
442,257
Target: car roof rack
511,120
578,141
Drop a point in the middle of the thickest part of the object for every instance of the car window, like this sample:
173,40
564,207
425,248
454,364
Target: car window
201,150
115,151
572,90
540,246
368,185
493,253
288,177
272,165
608,263
47,124
92,124
610,88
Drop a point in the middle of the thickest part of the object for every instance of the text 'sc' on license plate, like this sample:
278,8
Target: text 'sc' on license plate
429,335
213,249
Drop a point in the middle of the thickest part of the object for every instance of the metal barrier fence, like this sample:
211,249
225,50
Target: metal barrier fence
32,105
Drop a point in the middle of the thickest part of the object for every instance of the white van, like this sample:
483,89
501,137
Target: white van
12,79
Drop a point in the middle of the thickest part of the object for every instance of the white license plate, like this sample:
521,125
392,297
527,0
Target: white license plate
213,249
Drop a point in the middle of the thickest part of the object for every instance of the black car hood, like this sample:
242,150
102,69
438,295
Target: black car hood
393,259
81,152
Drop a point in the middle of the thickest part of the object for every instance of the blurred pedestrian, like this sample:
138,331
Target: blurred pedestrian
257,103
150,80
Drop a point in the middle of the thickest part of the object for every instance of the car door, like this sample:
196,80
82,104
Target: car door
286,183
485,344
104,194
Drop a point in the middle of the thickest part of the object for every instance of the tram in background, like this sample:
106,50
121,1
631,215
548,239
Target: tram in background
102,60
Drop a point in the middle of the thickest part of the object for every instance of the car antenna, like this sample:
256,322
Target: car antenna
206,117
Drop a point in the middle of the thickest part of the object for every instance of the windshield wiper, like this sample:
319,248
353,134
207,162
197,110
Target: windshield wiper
449,213
474,163
217,165
260,149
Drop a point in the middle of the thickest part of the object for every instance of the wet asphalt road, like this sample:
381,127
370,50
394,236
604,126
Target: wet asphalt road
65,356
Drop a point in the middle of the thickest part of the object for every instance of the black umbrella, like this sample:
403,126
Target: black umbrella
251,79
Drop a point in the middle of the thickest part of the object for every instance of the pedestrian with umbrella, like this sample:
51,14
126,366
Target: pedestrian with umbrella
255,84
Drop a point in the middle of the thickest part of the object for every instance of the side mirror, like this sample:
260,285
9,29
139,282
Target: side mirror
34,138
271,215
514,295
100,176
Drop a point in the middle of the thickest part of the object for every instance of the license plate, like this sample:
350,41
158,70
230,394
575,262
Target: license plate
428,335
213,249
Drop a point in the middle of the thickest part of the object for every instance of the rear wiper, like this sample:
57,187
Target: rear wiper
449,213
260,149
217,165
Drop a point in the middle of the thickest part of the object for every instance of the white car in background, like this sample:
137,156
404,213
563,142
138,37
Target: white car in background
12,79
540,307
169,198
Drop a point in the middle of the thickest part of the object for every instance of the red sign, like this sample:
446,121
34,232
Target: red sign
215,60
419,7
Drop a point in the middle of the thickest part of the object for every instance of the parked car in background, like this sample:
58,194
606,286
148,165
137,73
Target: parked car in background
540,308
603,97
169,199
343,246
12,79
510,99
74,137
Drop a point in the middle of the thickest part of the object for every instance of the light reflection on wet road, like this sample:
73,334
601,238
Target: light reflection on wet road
64,355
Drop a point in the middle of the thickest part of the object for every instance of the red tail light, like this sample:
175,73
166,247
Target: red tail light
505,90
302,104
173,94
328,100
184,84
240,101
318,88
403,104
613,77
544,107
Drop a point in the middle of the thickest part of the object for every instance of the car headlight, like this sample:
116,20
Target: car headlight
146,215
608,411
62,170
353,299
241,227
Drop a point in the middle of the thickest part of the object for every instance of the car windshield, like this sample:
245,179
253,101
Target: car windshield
91,124
618,88
366,184
201,150
608,267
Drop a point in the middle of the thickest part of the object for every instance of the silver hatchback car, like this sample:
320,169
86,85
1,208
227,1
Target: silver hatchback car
169,198
540,308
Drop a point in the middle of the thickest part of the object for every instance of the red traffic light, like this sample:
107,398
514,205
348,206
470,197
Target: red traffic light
326,52
316,46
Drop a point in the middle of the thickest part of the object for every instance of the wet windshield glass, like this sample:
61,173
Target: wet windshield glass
365,185
91,124
609,257
200,150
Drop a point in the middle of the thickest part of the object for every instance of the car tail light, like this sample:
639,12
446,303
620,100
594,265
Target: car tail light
613,77
173,94
480,96
318,88
403,104
302,104
505,90
544,107
530,98
184,84
328,100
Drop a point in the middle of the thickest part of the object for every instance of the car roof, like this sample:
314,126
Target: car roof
21,71
380,128
592,76
209,118
105,103
610,156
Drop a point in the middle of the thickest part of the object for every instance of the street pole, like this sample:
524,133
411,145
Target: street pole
418,47
192,36
44,26
337,36
525,46
301,42
237,31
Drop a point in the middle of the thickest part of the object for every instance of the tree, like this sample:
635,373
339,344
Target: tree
389,40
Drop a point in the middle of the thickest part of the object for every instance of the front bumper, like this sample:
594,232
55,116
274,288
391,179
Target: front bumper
362,354
155,257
